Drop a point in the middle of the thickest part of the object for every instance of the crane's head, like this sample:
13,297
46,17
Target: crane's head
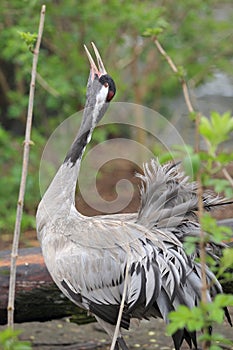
100,90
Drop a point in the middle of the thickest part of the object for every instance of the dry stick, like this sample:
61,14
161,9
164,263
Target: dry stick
20,203
202,243
200,188
200,215
117,328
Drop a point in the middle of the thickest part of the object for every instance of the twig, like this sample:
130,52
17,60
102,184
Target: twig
200,215
227,176
175,70
20,203
117,328
46,86
202,243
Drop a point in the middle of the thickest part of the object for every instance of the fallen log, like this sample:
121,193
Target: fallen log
37,297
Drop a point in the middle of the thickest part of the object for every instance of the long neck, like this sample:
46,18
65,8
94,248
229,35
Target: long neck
59,198
60,195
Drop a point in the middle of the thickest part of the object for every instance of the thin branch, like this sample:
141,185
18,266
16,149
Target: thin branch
117,328
227,176
202,243
165,55
20,203
175,70
46,86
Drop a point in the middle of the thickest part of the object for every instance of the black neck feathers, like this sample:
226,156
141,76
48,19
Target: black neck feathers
77,148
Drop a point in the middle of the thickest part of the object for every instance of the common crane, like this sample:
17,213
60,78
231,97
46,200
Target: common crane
87,257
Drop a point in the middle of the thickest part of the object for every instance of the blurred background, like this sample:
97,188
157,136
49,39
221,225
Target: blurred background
196,34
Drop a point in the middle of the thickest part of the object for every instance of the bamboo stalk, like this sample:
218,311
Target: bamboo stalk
20,203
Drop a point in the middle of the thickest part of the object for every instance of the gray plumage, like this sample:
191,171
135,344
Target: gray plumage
87,256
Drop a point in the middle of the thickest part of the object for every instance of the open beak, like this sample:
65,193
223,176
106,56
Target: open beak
94,70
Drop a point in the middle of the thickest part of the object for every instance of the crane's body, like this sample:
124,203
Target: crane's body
87,256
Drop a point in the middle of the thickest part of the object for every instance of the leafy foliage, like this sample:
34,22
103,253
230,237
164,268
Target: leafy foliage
29,39
216,130
62,63
10,162
198,318
214,232
9,341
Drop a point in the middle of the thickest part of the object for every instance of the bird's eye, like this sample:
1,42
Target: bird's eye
110,95
106,84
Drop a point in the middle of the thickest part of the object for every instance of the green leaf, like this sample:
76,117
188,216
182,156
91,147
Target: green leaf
172,328
216,314
181,73
220,185
196,319
215,347
151,32
178,319
29,39
155,31
216,232
217,129
9,340
223,300
226,260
